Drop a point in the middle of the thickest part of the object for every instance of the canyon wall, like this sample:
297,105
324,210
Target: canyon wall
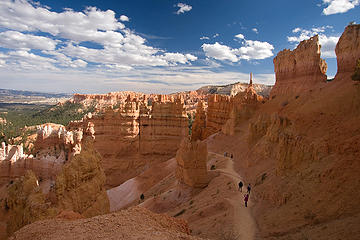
134,135
348,51
218,112
299,70
79,187
302,155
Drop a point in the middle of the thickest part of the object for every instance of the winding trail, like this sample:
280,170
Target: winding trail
244,223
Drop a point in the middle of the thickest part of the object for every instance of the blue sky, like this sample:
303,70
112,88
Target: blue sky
157,46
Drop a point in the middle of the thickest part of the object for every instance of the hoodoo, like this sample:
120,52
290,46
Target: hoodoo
348,51
300,69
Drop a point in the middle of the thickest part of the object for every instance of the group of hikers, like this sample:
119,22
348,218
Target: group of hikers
247,194
226,154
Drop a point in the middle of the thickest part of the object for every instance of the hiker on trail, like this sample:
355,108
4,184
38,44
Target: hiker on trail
246,199
240,186
142,197
249,188
231,155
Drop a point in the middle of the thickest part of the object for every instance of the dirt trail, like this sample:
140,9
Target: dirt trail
244,223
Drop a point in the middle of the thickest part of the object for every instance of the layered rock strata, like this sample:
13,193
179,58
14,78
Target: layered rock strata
348,51
191,161
79,187
218,112
300,69
198,131
134,135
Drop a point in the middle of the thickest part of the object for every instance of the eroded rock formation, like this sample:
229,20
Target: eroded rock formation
191,161
134,135
243,106
80,185
218,112
300,69
25,203
198,131
348,51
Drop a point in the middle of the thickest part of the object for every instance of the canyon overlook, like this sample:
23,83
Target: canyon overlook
298,147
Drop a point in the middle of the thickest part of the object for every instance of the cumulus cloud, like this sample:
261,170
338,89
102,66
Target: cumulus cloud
15,40
59,37
219,52
251,50
339,6
216,35
327,41
183,8
124,18
255,30
255,50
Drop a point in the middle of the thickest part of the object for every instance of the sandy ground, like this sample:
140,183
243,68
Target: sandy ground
244,223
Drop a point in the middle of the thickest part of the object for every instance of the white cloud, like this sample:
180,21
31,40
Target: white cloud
216,35
240,36
219,52
255,30
295,30
149,80
17,40
255,50
339,6
25,60
204,38
183,8
179,58
251,50
327,42
191,57
124,18
111,44
77,26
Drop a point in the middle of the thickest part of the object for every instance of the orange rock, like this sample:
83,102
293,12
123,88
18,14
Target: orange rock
300,69
348,51
191,161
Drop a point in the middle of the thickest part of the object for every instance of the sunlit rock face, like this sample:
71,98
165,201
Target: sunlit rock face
136,134
191,161
348,51
300,69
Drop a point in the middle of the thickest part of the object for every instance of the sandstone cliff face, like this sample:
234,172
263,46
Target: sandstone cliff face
191,161
243,106
348,51
134,135
199,125
162,131
80,185
25,203
218,112
300,69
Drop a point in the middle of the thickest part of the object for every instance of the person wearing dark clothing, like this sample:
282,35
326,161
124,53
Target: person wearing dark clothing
142,197
246,199
240,186
249,188
231,155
